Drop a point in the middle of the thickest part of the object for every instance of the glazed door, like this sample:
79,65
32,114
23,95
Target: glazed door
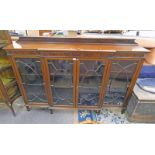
121,74
62,74
90,81
31,78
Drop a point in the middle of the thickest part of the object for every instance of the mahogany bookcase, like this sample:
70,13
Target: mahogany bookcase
84,73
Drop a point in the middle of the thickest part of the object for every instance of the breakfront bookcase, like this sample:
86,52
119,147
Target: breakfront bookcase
8,84
82,73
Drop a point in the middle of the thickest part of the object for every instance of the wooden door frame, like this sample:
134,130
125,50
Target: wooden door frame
48,82
18,78
133,81
131,85
12,59
103,82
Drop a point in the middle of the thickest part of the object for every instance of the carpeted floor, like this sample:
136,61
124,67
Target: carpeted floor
112,117
35,116
43,116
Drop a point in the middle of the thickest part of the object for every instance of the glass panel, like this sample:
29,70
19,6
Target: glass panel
120,78
61,77
91,74
32,79
62,96
30,70
35,93
88,96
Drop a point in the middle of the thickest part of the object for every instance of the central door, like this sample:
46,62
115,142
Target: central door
76,83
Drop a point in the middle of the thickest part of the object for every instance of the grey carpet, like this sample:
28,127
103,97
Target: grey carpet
43,116
35,116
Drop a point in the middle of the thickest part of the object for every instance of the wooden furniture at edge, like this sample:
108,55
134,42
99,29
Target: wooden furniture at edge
8,85
84,73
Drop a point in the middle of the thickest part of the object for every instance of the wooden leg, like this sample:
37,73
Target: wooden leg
28,108
51,111
123,111
10,106
98,111
12,110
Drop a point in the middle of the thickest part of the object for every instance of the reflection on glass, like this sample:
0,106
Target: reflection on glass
31,74
91,74
61,76
62,96
120,78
